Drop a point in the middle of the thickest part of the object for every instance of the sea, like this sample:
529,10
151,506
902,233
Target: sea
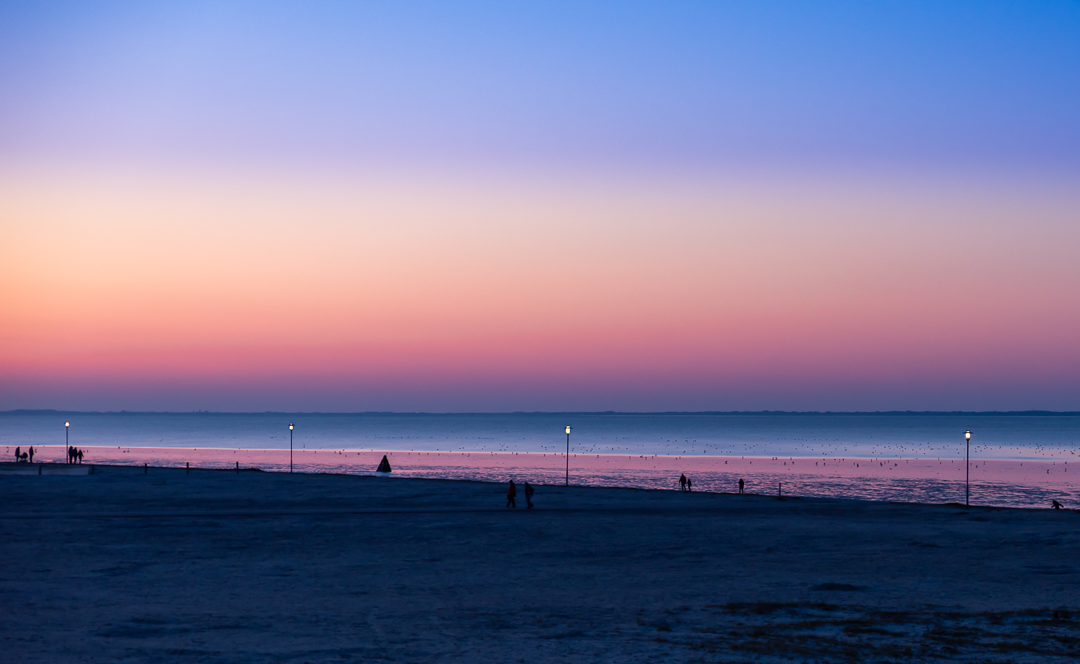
1017,459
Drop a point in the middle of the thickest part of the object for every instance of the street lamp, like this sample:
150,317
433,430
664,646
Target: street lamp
967,471
568,427
67,444
290,446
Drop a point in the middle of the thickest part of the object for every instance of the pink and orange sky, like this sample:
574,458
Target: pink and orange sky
357,209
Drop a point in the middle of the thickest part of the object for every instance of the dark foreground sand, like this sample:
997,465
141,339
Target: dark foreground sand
260,567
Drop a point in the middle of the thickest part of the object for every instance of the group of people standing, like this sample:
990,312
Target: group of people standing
74,455
511,494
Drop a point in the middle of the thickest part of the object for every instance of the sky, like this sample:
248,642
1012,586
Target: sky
587,206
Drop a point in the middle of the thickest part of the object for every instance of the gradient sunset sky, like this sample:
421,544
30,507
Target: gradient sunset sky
498,206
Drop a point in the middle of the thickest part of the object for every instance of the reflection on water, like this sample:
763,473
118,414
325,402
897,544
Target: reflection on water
993,482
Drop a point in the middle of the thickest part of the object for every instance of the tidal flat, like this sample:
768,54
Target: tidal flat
223,566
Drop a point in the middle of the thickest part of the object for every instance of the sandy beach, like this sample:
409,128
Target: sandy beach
123,565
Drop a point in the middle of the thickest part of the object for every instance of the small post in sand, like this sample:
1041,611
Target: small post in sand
779,489
145,468
188,468
237,467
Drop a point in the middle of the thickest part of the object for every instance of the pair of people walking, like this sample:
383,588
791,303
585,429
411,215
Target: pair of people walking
685,484
511,494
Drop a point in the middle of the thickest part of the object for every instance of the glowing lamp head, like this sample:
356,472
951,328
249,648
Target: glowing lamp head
290,426
67,424
567,429
967,435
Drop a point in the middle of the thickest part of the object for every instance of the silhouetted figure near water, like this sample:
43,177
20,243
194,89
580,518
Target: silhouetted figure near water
71,454
689,485
31,454
529,491
682,482
79,455
1056,505
740,485
18,454
510,494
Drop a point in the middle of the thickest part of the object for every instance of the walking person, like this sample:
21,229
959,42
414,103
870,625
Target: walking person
31,450
682,482
79,455
529,491
689,485
740,485
510,494
18,454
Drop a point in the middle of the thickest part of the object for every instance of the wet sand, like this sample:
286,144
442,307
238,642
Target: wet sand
997,482
224,566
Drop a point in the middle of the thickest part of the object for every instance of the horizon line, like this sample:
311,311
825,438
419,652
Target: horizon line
22,411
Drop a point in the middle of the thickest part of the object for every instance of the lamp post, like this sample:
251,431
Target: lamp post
568,427
290,446
967,471
67,443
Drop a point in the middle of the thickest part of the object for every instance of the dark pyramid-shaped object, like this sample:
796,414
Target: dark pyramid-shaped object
384,465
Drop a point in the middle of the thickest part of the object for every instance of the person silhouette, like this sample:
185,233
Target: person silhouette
78,454
31,450
689,485
740,485
1056,505
71,454
529,491
18,454
682,482
510,493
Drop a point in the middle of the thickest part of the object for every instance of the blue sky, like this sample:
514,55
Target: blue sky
967,85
